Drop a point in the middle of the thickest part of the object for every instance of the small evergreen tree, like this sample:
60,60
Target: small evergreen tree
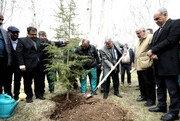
65,61
67,72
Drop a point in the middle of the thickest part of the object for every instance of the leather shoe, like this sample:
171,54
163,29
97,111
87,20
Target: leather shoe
158,109
105,96
29,100
169,117
148,104
141,99
41,97
118,95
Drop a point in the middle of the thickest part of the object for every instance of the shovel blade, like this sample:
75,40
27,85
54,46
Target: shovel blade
87,96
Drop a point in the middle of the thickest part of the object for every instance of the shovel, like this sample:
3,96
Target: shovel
89,95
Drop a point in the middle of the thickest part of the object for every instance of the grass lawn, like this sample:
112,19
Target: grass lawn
37,110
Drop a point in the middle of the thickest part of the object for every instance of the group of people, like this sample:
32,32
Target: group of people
155,58
24,57
157,63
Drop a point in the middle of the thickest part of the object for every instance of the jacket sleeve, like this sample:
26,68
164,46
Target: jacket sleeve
96,55
19,52
105,59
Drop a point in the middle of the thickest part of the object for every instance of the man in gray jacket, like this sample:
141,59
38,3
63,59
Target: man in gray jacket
110,54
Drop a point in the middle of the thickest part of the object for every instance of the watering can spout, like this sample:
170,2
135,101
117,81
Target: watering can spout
22,96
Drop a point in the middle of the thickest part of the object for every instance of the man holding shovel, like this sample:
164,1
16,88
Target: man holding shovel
110,54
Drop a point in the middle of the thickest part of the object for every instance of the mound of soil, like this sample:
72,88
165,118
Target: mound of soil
77,108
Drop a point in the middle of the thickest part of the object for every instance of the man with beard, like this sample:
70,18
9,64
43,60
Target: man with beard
30,55
14,68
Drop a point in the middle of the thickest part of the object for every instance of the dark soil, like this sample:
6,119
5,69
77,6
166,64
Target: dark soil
77,108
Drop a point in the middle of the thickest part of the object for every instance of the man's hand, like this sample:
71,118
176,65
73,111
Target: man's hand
149,53
112,67
154,57
66,42
22,67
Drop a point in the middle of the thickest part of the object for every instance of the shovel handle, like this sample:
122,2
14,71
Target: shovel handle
104,79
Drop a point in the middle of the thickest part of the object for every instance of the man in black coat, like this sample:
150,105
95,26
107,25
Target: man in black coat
5,59
14,68
30,55
165,53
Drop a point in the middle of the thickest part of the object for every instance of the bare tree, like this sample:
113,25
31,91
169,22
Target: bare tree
89,9
5,8
101,20
3,4
33,8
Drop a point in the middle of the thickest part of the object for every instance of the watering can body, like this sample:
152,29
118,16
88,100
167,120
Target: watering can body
7,106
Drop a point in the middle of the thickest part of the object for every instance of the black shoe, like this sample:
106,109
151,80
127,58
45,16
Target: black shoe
102,90
29,100
158,109
41,97
148,104
118,95
141,99
169,117
105,96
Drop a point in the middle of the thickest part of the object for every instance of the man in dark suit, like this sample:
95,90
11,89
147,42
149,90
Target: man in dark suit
5,59
165,53
110,54
30,55
14,68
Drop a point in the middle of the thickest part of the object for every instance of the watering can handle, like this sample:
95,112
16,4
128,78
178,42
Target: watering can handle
7,96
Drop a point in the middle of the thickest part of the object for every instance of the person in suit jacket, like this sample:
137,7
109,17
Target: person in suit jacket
30,56
5,59
110,54
164,52
14,68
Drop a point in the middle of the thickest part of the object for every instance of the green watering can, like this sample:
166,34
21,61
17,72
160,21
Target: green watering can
7,105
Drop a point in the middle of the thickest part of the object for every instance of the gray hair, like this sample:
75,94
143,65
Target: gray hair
141,29
163,11
42,33
107,39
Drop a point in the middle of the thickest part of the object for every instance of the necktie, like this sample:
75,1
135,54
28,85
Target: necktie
35,45
160,28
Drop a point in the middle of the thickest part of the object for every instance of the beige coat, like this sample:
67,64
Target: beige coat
142,61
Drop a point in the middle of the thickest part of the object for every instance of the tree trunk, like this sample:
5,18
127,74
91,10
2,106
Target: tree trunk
67,95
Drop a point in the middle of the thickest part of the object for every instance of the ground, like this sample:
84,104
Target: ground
57,108
78,108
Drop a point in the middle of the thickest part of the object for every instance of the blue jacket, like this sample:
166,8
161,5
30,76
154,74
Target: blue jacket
7,42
